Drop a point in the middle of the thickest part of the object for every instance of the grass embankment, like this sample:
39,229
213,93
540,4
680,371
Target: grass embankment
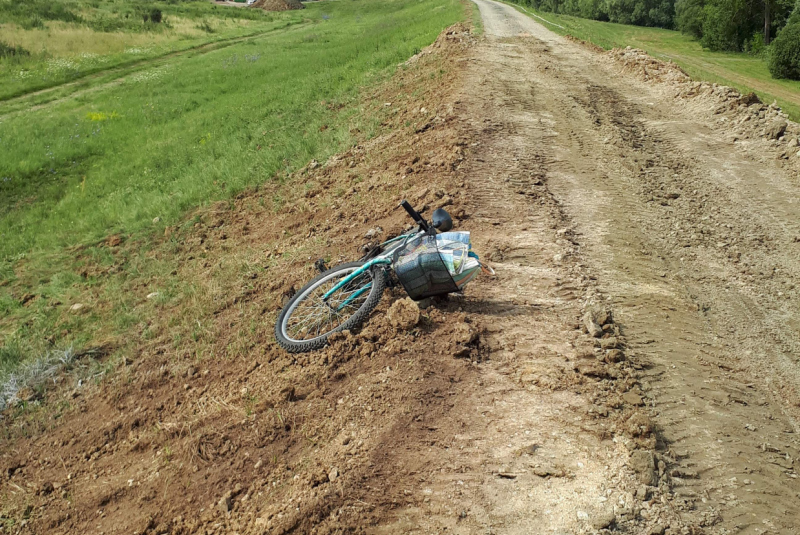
743,71
45,43
132,158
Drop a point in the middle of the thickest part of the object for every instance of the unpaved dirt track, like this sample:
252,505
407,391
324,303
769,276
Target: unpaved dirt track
694,243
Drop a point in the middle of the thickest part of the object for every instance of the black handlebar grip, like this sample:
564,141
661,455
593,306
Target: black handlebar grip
414,214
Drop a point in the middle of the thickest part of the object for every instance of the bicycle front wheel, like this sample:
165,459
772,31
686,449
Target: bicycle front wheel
306,322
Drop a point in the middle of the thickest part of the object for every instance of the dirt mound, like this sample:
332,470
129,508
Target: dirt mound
453,38
738,116
404,314
278,5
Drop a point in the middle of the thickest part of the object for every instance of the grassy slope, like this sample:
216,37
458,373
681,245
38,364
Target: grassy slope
191,131
742,71
67,51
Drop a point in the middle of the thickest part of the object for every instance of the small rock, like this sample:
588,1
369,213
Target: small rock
77,307
258,464
333,474
776,129
371,233
583,515
152,295
463,334
684,473
592,327
287,393
547,471
643,493
657,530
793,142
747,100
604,520
632,398
614,355
403,314
313,165
609,343
592,370
643,463
600,315
226,502
156,220
46,488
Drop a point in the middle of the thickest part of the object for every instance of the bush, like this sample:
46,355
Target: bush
727,24
33,23
689,16
755,45
784,60
9,51
154,15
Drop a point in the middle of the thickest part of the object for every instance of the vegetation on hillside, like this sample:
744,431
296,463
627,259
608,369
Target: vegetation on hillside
746,72
131,155
46,43
784,60
719,25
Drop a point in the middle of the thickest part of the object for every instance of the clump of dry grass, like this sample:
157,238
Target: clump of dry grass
33,374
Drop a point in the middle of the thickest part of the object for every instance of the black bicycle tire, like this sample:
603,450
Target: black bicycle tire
376,292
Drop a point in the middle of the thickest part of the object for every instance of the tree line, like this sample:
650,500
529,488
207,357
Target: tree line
719,25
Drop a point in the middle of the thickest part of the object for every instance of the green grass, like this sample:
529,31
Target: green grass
70,39
135,154
743,71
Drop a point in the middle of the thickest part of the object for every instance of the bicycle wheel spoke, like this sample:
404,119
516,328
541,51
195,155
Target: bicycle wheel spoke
313,316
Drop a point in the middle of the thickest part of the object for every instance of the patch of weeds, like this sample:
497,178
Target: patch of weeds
9,51
205,26
11,354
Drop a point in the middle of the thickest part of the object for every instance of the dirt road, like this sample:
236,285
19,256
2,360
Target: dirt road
692,239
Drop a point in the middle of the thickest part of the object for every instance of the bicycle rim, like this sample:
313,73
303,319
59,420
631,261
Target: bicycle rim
310,318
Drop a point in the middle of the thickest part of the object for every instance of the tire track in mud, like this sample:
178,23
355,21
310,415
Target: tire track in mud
640,181
535,448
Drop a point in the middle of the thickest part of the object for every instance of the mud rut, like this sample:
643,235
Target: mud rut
599,187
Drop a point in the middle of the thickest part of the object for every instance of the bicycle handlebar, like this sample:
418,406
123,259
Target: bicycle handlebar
415,215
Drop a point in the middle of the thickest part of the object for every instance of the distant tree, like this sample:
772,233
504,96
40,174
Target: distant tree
784,61
689,16
727,24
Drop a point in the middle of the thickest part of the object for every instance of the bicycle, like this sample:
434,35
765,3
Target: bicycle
429,261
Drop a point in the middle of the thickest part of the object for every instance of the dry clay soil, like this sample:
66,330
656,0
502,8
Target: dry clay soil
631,368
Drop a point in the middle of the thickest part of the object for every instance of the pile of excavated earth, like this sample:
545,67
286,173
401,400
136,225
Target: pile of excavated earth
278,5
742,116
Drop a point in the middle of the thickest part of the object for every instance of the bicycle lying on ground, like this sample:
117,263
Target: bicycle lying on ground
429,261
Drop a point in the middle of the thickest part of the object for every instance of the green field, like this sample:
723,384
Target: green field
743,71
130,150
67,40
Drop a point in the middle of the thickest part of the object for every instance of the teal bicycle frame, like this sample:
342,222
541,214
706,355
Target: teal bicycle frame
382,259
